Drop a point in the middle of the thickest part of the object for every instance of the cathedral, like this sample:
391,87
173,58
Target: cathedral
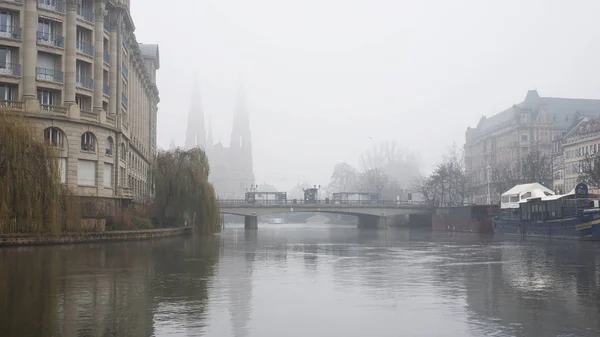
231,169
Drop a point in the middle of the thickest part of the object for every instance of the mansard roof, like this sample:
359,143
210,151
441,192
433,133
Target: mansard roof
561,111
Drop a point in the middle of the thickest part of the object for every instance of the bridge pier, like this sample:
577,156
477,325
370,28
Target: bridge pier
372,221
251,221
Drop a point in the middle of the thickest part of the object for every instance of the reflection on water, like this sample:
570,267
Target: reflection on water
304,280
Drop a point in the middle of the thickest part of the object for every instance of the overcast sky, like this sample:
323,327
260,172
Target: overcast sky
322,76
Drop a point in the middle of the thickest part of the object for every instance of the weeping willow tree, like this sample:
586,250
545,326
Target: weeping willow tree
182,191
31,197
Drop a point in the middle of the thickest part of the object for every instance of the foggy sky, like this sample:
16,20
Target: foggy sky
321,76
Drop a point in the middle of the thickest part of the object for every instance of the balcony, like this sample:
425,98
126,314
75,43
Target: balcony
52,5
84,82
50,75
11,69
106,25
124,99
86,48
106,90
50,39
10,32
11,105
54,110
106,58
125,70
125,44
85,14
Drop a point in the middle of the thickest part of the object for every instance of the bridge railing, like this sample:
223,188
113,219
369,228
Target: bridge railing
391,203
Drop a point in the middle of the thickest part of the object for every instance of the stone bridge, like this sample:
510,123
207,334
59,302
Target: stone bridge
371,214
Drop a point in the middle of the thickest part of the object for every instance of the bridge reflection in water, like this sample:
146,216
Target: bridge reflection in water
371,214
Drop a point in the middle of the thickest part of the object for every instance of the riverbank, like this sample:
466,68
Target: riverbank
69,238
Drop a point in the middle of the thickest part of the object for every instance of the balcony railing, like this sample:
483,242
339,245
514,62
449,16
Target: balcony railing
84,47
10,32
89,115
51,39
106,58
124,99
13,69
106,89
85,14
52,5
125,43
84,82
125,70
50,75
11,105
54,110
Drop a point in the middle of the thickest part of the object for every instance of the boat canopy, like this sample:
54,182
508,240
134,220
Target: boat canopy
523,192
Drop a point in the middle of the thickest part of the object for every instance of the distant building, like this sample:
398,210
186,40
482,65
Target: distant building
511,134
231,168
581,140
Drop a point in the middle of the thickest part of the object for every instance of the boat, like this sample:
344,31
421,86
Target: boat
469,219
532,210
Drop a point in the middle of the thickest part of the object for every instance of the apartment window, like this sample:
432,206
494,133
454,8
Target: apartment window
7,23
84,102
86,172
55,137
109,146
83,71
47,65
47,97
88,142
6,61
524,138
108,175
47,29
7,92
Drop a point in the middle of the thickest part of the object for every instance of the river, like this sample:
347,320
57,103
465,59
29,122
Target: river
304,280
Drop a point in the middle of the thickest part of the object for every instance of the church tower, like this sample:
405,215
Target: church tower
241,142
195,134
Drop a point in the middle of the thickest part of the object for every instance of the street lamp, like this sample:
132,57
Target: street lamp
489,192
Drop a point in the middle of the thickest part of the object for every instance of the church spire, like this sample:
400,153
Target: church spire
195,134
241,140
209,136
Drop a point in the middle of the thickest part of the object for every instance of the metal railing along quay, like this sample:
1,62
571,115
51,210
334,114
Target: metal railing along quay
378,203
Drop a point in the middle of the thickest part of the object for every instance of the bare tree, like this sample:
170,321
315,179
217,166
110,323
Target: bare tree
590,170
503,177
447,185
344,178
388,159
536,167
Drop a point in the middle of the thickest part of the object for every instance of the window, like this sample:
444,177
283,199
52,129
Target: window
55,137
6,92
46,97
7,23
88,142
6,61
86,172
122,150
109,146
84,102
108,175
524,138
47,29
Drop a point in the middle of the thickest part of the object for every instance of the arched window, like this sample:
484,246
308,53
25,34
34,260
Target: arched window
88,142
54,137
109,146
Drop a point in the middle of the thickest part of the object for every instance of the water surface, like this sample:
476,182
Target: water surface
304,280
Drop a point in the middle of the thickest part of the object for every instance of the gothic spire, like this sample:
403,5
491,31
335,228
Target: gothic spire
195,134
209,136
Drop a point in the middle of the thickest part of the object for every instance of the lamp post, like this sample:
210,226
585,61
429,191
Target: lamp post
489,192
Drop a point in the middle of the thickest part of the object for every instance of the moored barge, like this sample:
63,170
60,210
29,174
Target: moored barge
470,219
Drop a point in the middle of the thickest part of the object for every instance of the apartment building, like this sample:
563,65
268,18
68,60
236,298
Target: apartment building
75,68
581,140
508,136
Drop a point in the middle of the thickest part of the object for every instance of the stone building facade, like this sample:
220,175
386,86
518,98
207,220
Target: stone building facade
231,168
75,68
580,141
508,136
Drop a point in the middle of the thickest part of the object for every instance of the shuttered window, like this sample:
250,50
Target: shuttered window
108,175
86,172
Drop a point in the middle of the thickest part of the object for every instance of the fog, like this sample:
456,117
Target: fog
325,79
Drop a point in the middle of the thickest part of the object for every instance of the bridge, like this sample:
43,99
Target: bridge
370,214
